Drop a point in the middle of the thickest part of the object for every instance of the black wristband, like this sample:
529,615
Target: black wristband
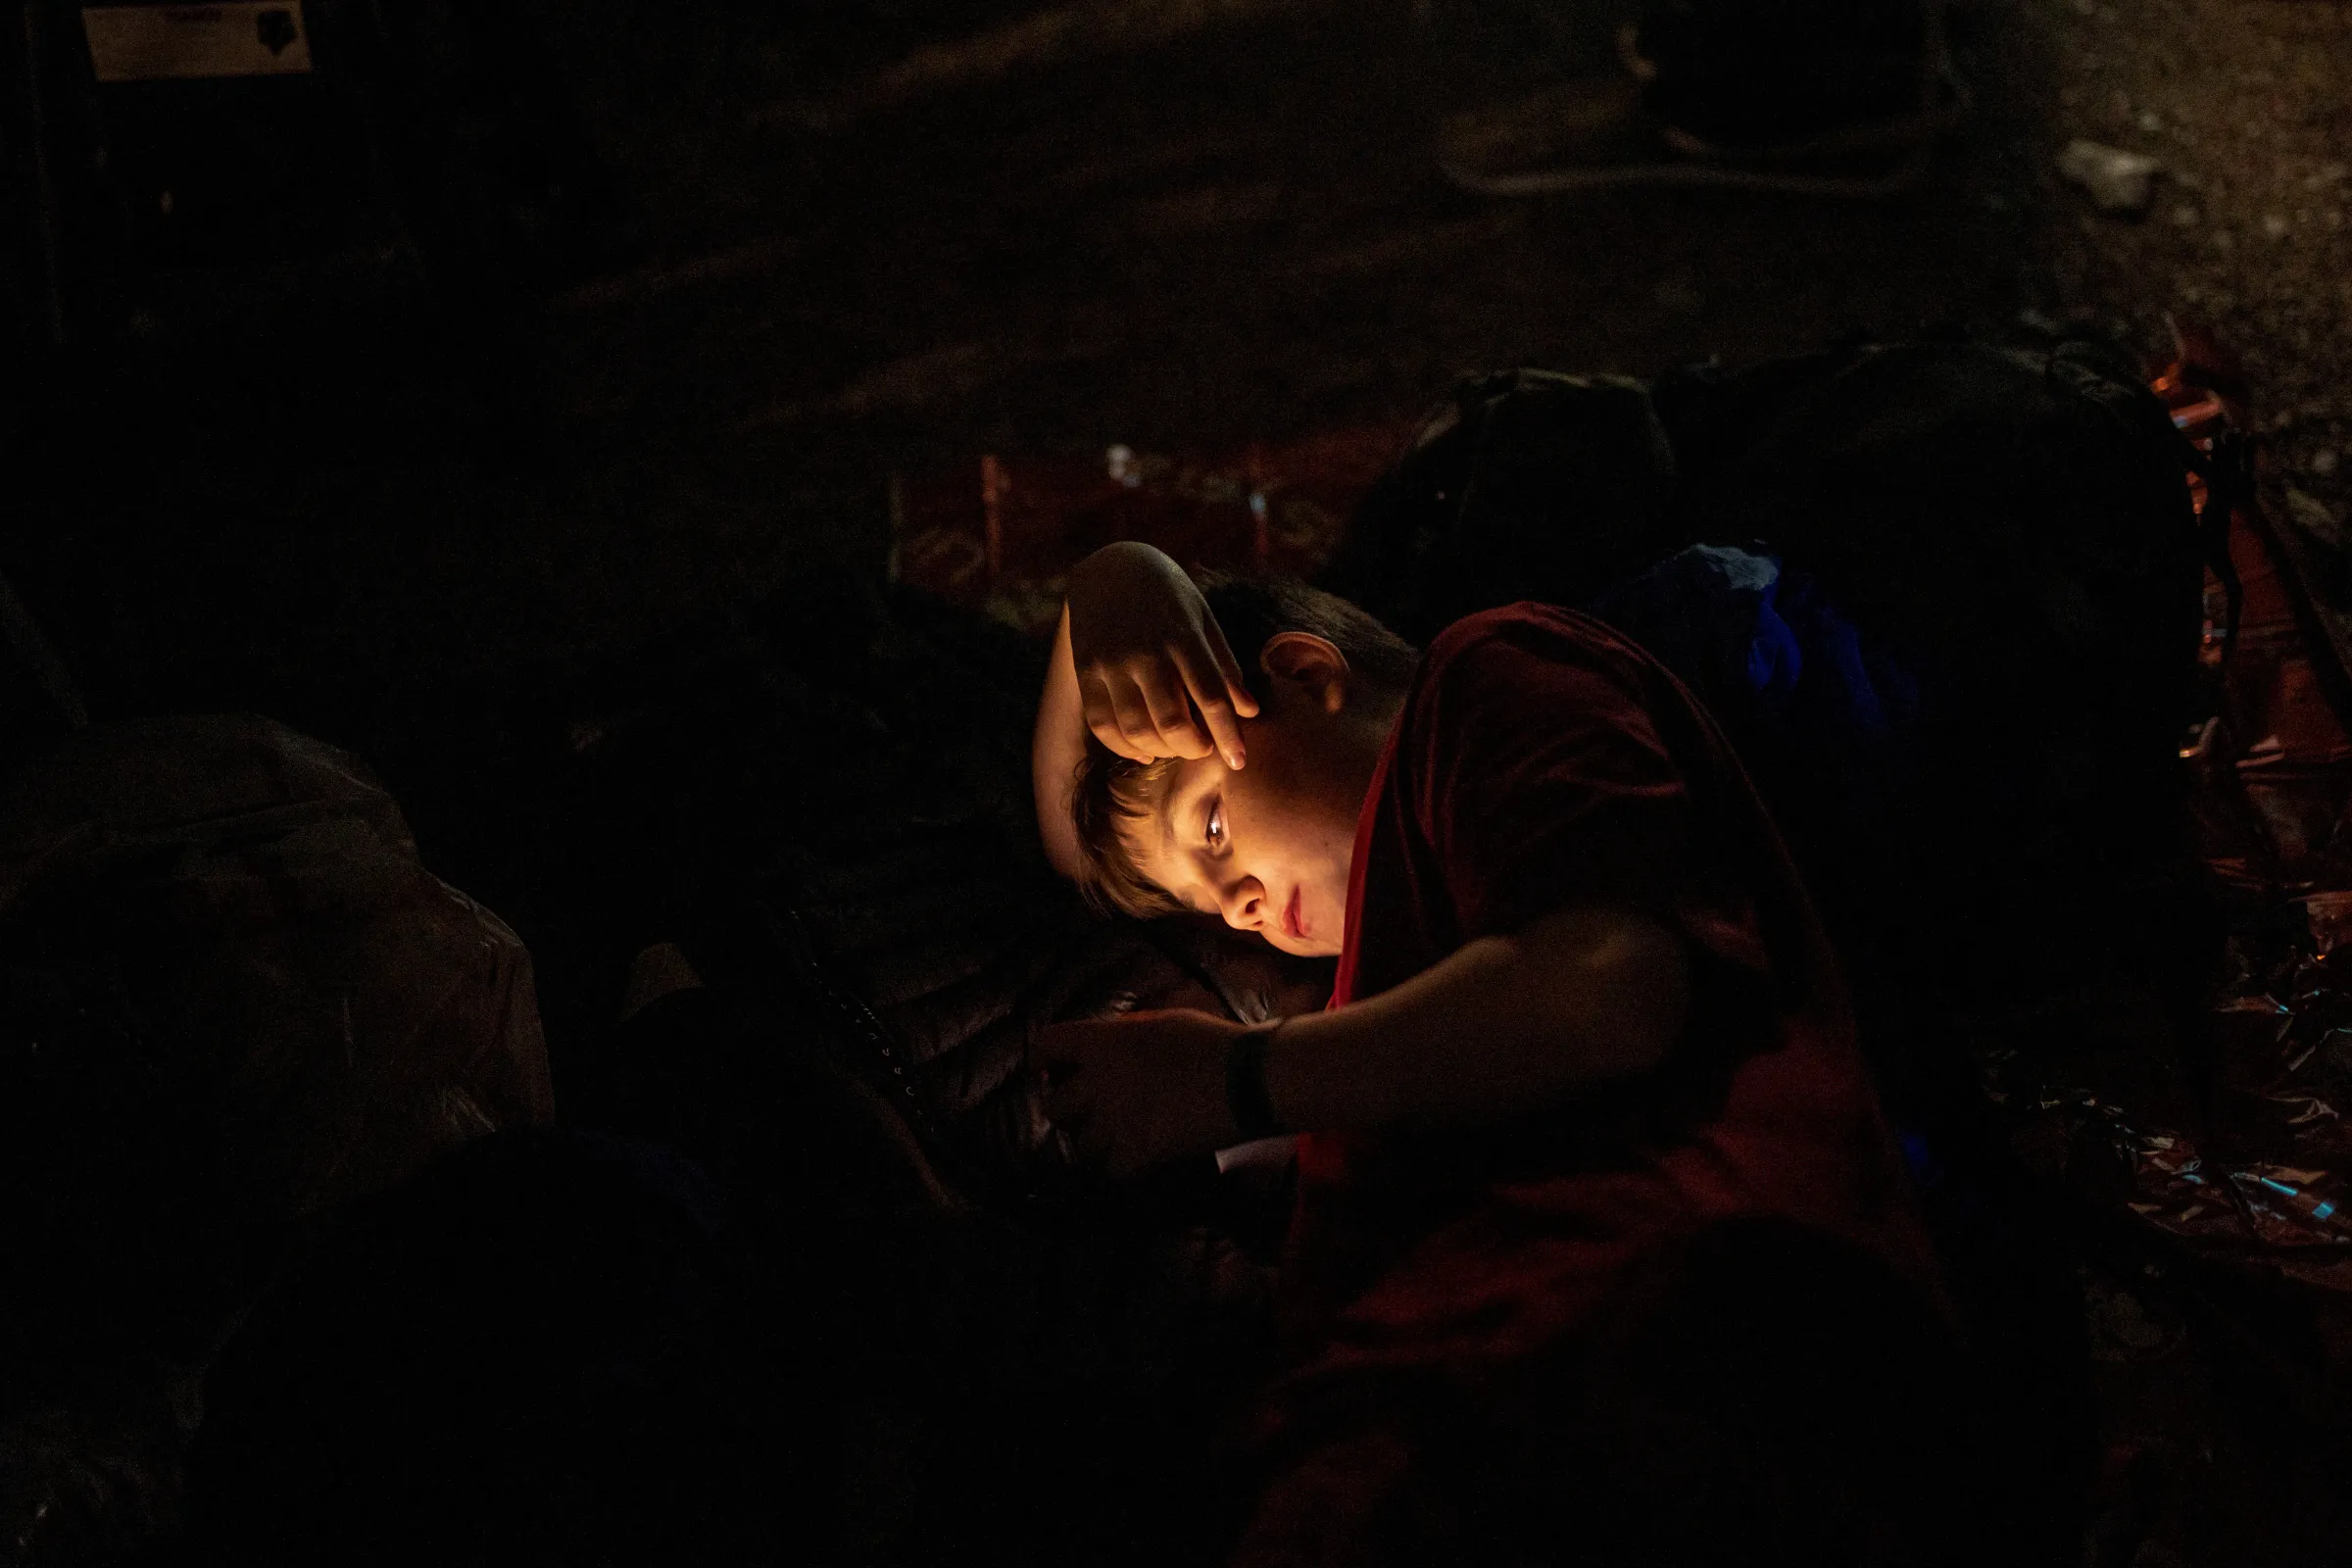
1245,1097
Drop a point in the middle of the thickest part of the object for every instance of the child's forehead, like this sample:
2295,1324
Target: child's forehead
1175,792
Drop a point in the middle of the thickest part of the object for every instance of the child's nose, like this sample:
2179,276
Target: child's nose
1246,905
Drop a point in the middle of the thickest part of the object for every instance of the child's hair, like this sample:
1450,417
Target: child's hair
1113,792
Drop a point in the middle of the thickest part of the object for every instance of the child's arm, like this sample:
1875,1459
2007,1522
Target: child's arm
1503,1027
1140,664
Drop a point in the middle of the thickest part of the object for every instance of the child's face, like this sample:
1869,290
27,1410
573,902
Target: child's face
1269,847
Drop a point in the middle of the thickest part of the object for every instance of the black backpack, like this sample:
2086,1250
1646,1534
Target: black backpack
2011,529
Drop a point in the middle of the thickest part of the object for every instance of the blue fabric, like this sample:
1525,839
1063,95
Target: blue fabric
1782,669
1707,613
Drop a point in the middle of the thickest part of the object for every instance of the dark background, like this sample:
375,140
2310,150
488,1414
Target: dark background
515,357
745,262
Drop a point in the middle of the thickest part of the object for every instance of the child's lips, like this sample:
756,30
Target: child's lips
1293,919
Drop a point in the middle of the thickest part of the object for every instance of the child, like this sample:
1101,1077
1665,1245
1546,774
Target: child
1601,1241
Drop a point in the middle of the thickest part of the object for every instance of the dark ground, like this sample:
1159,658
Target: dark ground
860,239
886,238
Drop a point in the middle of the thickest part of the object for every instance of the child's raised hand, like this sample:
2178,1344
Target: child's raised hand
1154,672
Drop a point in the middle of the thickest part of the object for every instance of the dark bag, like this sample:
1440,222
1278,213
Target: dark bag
2008,532
1523,485
2017,530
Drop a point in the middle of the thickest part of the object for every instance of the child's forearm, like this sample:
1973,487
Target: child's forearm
1056,749
1503,1027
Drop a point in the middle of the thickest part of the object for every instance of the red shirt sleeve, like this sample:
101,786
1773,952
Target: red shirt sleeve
1540,778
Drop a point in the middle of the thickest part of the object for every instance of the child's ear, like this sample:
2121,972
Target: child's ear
1311,665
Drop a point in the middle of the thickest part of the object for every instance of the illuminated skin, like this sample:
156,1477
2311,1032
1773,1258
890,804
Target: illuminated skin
1268,847
1259,827
1141,665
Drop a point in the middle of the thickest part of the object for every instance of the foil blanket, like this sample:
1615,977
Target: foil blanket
2237,1146
2262,1183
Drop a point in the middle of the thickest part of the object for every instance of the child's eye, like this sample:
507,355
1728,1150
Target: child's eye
1216,825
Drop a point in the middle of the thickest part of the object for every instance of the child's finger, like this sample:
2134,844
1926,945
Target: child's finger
1208,693
1229,669
1141,737
1115,741
1102,717
1172,717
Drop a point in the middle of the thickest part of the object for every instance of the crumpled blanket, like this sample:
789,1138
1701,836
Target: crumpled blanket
233,999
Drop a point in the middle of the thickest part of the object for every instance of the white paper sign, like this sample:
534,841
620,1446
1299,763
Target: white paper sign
151,43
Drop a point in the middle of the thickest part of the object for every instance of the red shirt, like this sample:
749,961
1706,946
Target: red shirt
1542,760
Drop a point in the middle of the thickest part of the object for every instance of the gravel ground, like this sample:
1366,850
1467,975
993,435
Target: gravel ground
2249,107
888,237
